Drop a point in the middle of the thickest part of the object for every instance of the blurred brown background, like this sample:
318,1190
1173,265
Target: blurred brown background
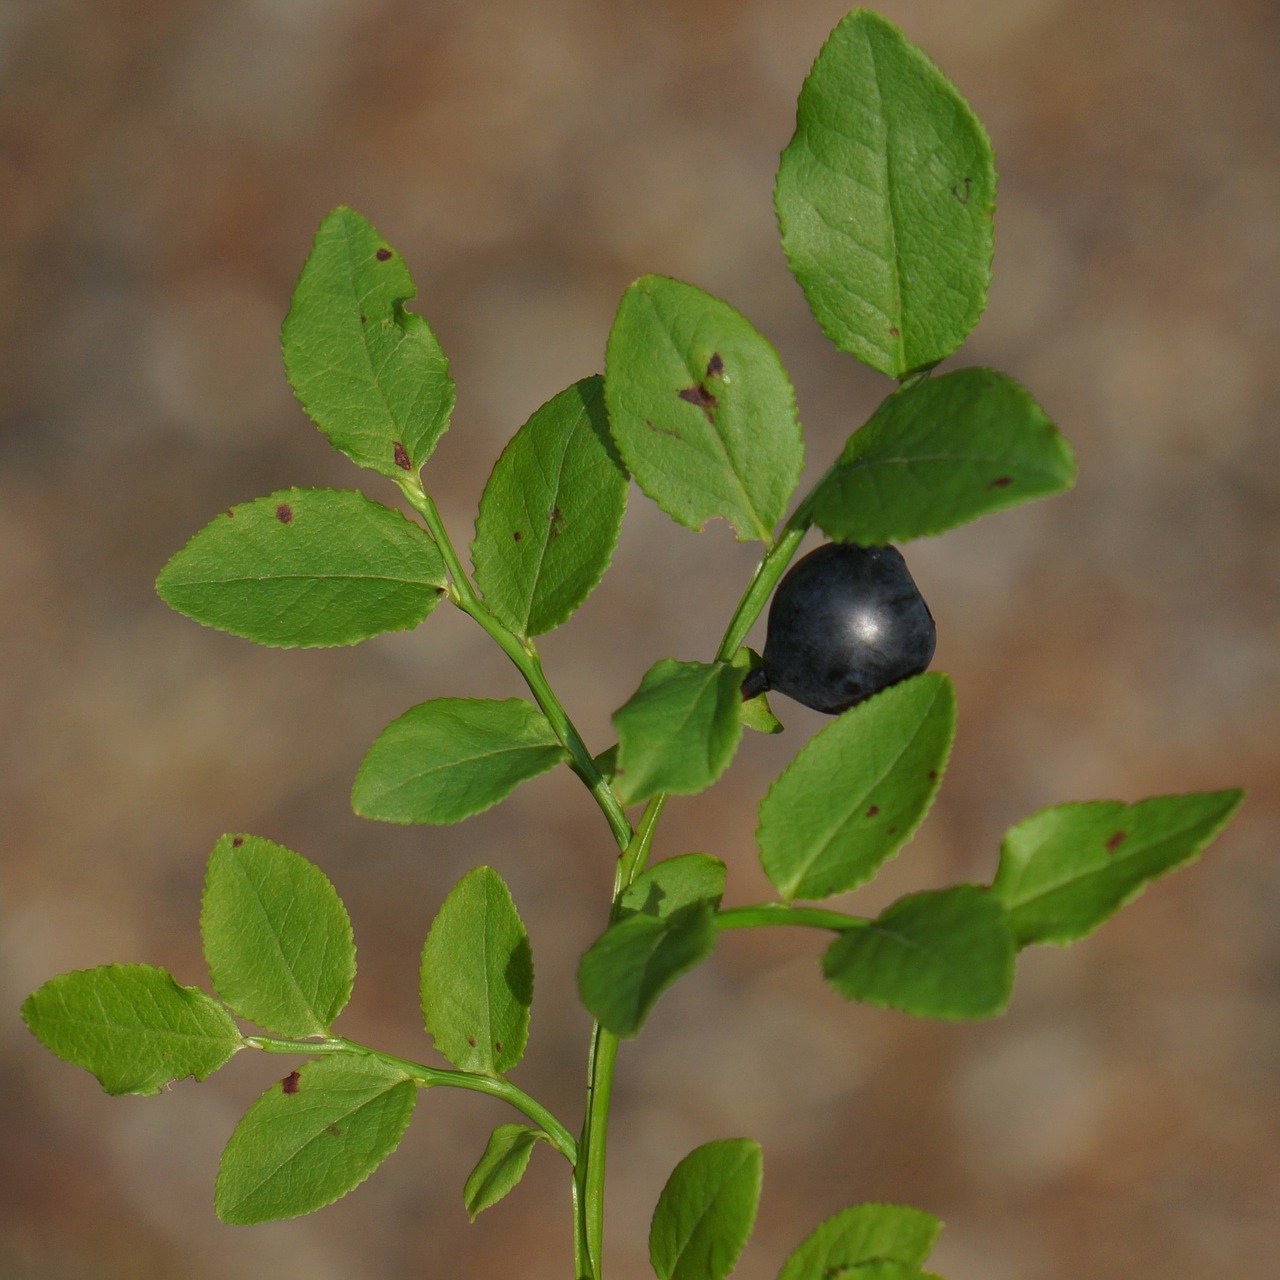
162,169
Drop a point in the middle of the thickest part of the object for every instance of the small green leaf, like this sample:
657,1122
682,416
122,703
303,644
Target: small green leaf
941,453
862,1235
550,514
857,790
476,978
673,885
447,759
313,1137
756,712
679,730
306,568
946,953
885,198
636,959
701,409
370,374
706,1211
132,1026
276,936
1066,869
503,1164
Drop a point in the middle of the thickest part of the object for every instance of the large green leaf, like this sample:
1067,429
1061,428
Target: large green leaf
132,1026
447,759
701,409
945,953
704,1215
638,957
312,1137
939,454
885,197
862,1236
1066,869
857,790
550,514
476,977
679,730
276,936
305,568
370,374
501,1166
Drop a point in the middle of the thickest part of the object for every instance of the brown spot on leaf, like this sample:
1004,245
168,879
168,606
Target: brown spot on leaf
497,1046
961,190
230,513
933,775
383,254
700,397
237,842
1116,841
556,517
364,319
715,366
290,1083
894,331
999,482
871,813
517,535
893,831
401,455
333,1130
471,1040
284,513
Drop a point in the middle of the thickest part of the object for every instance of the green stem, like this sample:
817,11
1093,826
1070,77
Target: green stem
524,655
770,913
556,1134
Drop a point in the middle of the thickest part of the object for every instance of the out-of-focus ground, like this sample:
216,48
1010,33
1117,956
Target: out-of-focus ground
162,168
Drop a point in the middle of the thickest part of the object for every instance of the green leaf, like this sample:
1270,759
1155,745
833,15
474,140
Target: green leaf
370,374
447,759
679,730
857,790
1066,869
476,978
946,953
701,409
312,1137
305,568
670,886
706,1210
276,936
756,712
550,514
862,1235
132,1026
941,453
503,1164
885,198
636,959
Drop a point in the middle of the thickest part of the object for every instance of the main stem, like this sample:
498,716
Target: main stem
634,845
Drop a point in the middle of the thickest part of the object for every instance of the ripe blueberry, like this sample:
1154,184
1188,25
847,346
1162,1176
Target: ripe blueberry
846,621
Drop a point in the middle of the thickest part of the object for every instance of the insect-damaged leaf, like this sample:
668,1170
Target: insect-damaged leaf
1064,870
306,568
701,409
885,198
312,1138
370,374
132,1026
550,513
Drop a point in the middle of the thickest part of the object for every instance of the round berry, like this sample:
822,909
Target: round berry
846,621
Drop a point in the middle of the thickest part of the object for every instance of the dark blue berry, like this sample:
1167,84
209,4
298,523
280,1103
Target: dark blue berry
845,622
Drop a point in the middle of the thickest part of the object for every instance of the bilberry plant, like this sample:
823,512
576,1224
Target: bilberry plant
884,197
